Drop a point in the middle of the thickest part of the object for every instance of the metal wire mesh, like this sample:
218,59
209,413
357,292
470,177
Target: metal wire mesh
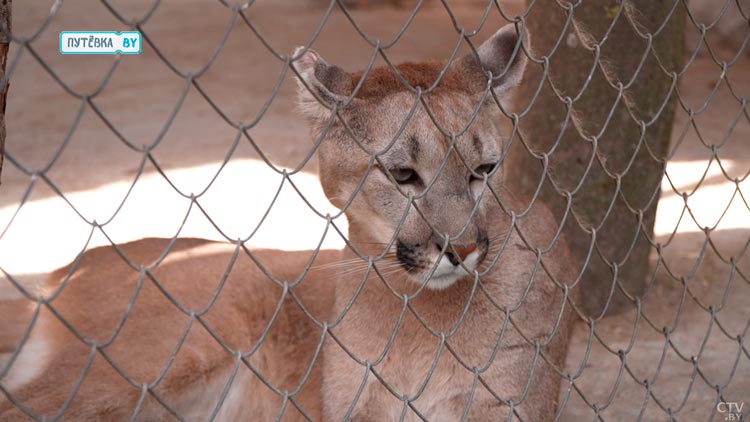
593,405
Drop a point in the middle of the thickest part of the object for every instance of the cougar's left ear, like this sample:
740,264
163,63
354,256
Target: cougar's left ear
327,85
501,55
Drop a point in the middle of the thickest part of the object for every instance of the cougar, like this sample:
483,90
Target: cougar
450,302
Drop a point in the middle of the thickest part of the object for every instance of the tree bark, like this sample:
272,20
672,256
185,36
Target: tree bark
624,135
5,25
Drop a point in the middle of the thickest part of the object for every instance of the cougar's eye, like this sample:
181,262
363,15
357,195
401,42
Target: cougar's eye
404,176
482,170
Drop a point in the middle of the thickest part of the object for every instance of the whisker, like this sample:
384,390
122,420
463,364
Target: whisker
372,243
337,264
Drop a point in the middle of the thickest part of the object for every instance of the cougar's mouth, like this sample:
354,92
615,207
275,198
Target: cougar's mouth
458,261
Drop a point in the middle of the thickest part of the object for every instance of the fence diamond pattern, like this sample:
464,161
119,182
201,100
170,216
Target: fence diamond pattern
651,389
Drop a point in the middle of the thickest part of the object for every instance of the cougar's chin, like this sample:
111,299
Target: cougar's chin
447,274
442,282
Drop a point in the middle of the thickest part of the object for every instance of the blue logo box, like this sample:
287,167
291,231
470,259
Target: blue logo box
100,42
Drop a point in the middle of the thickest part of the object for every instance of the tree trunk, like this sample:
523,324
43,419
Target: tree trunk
628,134
5,8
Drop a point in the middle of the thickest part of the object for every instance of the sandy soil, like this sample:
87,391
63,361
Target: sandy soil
95,170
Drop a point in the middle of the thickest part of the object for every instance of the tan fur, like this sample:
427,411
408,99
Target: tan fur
377,375
438,347
408,361
97,296
382,81
15,317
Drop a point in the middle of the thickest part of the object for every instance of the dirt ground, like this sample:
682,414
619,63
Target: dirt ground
95,170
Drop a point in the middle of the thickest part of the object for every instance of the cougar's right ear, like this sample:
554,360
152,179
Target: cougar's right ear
322,86
501,55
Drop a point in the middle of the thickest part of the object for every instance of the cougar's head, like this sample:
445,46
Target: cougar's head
411,170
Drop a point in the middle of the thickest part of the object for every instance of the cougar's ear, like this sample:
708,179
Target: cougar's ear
501,55
322,86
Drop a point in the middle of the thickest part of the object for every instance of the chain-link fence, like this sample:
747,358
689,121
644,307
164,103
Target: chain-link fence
623,107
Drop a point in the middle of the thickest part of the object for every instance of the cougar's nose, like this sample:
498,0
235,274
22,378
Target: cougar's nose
460,251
